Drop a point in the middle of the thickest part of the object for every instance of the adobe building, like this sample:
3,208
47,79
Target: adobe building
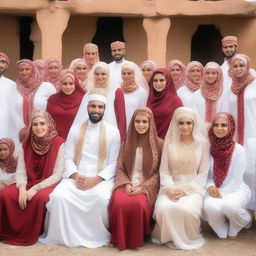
160,30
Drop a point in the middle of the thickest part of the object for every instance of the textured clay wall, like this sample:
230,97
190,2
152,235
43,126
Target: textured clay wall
9,42
182,30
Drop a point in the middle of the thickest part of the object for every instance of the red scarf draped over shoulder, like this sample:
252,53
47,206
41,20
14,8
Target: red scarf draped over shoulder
163,103
63,108
222,149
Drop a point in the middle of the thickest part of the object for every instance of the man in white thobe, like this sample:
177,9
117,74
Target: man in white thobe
7,87
78,207
118,53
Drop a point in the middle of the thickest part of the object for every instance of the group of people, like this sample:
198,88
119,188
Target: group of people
109,154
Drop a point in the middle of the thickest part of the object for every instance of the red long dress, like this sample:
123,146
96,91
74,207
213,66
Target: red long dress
23,227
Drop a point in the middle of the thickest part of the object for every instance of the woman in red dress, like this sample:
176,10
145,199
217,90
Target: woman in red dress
38,172
137,182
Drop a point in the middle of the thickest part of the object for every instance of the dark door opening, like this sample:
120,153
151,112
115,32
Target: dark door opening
108,30
206,44
26,45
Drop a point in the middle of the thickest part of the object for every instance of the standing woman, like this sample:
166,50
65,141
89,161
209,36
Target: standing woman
162,100
193,82
177,73
183,173
40,168
227,198
32,93
91,54
208,99
80,68
242,98
98,78
147,68
8,162
137,182
135,89
64,105
51,74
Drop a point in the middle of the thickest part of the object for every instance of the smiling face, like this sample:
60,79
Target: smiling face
175,72
159,82
4,151
195,73
185,126
211,75
100,77
53,70
24,72
239,68
81,71
141,123
118,53
221,127
96,110
147,72
229,50
68,85
39,126
3,65
127,74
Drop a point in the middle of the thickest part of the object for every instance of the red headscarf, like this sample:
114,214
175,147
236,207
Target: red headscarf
46,76
181,80
192,85
212,92
238,87
63,107
163,103
41,153
222,149
28,88
10,163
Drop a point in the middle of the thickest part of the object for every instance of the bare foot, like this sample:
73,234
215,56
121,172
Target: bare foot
232,237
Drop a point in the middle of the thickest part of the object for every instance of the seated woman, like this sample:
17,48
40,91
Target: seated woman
7,162
63,106
228,195
40,167
183,174
137,182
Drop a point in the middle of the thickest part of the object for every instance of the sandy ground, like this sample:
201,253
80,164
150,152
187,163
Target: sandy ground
245,245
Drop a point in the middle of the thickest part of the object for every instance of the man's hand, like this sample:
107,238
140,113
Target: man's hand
85,183
214,192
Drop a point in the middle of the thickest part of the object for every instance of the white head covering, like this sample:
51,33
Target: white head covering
97,94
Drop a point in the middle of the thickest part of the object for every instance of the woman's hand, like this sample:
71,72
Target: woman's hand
2,185
136,190
214,192
129,189
31,192
22,196
175,194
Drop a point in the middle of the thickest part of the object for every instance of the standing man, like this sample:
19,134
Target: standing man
78,208
229,48
7,86
118,53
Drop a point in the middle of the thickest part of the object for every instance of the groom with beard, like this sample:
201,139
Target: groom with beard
78,207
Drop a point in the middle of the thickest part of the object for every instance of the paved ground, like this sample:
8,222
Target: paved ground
245,245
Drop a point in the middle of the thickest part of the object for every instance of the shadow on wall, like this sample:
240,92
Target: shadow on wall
108,30
206,44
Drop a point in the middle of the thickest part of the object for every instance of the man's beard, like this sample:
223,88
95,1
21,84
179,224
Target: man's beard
2,70
93,119
229,56
118,57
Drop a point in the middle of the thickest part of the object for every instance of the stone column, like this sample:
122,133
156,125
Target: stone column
157,31
52,22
